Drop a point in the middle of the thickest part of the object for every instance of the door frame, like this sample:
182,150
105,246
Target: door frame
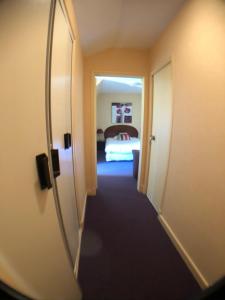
168,61
144,126
49,121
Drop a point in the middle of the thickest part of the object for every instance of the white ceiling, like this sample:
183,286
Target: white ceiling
106,24
122,85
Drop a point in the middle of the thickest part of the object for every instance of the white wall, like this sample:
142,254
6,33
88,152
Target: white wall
104,108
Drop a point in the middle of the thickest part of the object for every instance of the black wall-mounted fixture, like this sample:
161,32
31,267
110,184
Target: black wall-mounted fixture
55,162
67,140
43,171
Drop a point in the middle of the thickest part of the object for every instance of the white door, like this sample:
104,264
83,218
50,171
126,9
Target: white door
161,134
61,124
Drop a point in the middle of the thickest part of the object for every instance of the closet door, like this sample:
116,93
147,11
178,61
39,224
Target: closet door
61,124
33,259
161,135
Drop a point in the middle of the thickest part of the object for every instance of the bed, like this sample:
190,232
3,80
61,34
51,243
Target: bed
120,150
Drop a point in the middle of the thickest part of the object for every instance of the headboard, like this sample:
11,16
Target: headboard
116,129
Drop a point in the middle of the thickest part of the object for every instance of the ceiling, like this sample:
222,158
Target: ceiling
122,85
107,24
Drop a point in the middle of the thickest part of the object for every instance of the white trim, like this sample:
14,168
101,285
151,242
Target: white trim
76,267
184,254
153,204
162,65
84,212
141,168
91,192
68,18
141,189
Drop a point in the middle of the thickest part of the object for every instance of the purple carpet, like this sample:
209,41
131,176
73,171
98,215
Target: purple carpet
125,253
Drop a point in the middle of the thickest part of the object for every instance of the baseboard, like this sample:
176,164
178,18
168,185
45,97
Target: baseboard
154,206
184,254
84,211
76,267
140,188
91,192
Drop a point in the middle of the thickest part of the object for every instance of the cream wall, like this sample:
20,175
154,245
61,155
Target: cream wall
110,62
104,108
77,113
194,205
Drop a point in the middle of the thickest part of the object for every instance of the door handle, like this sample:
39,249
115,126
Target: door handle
152,138
43,171
55,162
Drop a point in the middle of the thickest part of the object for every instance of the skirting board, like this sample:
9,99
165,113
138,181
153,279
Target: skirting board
186,257
140,189
84,211
91,192
76,267
158,211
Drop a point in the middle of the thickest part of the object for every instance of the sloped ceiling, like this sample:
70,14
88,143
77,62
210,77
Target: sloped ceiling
107,24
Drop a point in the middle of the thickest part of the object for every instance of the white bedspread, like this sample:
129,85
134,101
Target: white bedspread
113,145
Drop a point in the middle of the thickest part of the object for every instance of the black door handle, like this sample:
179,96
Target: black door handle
43,171
55,162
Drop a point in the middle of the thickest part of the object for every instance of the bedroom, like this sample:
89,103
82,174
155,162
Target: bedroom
118,125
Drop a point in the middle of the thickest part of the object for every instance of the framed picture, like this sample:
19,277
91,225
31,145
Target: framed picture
121,113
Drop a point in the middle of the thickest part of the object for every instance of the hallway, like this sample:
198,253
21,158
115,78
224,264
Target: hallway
125,253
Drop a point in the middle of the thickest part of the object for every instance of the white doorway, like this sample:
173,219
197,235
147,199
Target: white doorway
161,135
119,110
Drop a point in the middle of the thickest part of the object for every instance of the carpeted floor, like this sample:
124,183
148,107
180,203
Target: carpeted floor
113,168
125,253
